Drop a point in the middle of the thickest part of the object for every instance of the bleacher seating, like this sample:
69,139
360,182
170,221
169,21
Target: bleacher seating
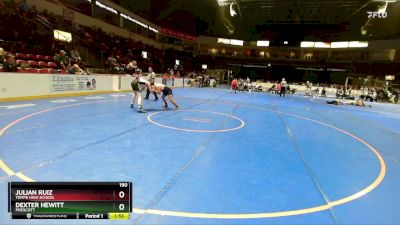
31,56
43,70
49,58
31,70
20,62
45,65
42,64
19,55
33,64
52,65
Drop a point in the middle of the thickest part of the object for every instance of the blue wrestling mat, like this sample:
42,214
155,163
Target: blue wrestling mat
224,158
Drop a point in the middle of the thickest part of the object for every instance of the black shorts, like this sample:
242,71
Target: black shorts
167,91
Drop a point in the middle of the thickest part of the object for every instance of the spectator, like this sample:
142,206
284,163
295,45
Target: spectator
323,92
396,94
206,81
234,85
241,84
283,88
75,69
1,55
364,93
62,60
75,57
348,92
9,64
172,73
278,87
309,86
373,93
164,78
131,67
272,89
23,8
114,65
213,83
340,92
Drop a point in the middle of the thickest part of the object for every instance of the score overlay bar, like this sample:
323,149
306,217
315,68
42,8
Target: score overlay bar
70,200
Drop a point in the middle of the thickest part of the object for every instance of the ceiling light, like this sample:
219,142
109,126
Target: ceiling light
263,43
322,45
223,2
358,44
307,44
340,44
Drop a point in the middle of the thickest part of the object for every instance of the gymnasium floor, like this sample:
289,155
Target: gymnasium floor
248,158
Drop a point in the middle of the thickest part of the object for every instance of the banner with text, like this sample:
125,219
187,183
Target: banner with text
60,83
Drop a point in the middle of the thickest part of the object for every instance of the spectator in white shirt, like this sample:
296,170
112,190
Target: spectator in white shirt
283,88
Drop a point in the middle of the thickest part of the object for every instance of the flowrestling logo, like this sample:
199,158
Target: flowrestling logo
380,15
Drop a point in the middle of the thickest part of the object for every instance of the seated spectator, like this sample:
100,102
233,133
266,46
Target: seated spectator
213,83
372,93
1,55
323,92
364,92
75,57
395,95
347,93
112,64
62,60
131,67
9,64
272,88
316,92
75,69
339,93
288,89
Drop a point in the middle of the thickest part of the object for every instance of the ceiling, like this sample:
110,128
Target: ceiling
268,19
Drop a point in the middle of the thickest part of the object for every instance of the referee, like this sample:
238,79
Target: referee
151,78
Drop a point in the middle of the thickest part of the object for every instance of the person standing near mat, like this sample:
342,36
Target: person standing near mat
283,88
151,78
166,91
234,85
241,85
138,85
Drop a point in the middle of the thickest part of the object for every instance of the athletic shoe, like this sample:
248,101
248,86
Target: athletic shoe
140,110
177,108
131,106
146,98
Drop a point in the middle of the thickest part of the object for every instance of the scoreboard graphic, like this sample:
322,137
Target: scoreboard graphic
70,200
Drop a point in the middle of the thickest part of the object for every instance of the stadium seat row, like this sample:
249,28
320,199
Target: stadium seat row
34,57
33,63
